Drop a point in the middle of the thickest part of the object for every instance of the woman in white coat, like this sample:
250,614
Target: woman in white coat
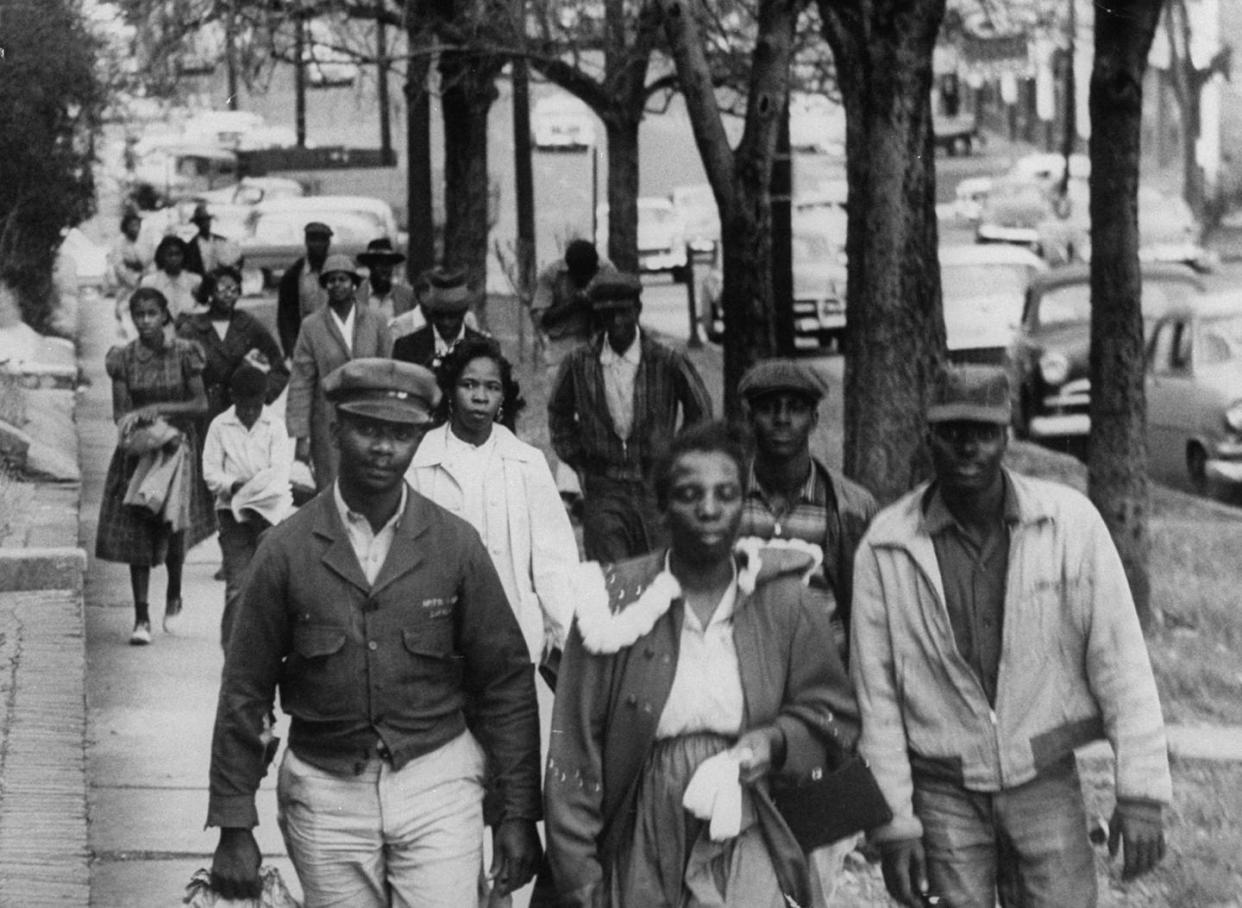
475,466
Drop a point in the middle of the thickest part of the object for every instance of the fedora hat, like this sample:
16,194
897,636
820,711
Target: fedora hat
380,252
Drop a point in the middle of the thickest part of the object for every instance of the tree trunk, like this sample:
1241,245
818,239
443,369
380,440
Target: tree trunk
1117,456
622,191
420,211
468,90
895,337
741,177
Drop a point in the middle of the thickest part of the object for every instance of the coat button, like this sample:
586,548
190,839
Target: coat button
373,646
631,700
649,653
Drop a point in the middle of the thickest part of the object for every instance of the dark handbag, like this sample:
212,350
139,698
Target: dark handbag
828,806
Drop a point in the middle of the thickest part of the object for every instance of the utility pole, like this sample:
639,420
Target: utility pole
523,177
299,78
1071,103
781,194
381,76
421,254
230,54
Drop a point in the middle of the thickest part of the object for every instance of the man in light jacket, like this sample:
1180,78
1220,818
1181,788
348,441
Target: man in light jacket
993,632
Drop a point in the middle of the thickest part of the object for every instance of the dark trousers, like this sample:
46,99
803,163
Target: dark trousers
238,541
619,519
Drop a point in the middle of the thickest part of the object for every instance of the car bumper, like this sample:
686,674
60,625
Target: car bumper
665,260
1068,425
1021,236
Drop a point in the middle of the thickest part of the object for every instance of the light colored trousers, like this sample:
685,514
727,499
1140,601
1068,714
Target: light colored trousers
385,838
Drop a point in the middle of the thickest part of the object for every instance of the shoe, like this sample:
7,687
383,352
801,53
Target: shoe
141,634
172,616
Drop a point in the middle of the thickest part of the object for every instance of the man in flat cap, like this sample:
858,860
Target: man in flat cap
792,496
208,251
381,618
993,632
446,304
340,331
614,401
300,293
390,298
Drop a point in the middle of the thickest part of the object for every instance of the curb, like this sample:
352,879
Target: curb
52,568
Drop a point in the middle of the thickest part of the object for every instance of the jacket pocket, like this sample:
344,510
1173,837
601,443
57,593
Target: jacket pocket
316,673
433,670
312,642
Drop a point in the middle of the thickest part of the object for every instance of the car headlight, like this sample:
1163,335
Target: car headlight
1054,368
1233,416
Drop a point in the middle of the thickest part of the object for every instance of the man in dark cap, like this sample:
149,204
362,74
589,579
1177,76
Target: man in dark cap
390,298
207,251
793,496
613,403
300,292
381,618
329,338
993,632
446,304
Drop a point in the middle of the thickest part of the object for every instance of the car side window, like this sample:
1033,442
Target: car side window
1160,359
1181,360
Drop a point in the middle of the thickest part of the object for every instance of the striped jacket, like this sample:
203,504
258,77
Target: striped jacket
581,426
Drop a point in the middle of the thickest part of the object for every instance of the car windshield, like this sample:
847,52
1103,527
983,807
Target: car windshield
1070,304
812,248
1220,341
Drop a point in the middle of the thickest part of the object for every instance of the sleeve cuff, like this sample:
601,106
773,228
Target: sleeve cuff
237,811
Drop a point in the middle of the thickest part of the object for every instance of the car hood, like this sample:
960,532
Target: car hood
1222,380
979,323
1072,341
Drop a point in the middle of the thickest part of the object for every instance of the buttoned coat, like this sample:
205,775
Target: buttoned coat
412,657
319,350
527,534
608,707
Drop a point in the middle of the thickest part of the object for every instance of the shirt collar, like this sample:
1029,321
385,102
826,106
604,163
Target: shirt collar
807,495
350,517
444,347
937,517
724,611
632,355
229,417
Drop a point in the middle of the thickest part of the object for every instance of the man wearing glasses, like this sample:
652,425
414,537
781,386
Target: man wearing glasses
993,632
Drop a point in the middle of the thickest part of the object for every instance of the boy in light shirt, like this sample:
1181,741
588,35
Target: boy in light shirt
246,462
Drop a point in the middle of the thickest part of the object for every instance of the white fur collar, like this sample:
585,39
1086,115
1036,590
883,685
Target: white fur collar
605,631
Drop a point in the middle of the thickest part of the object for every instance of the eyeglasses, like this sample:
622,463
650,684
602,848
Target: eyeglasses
958,433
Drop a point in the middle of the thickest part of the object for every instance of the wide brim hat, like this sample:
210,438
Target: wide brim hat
386,389
971,393
335,263
380,252
614,289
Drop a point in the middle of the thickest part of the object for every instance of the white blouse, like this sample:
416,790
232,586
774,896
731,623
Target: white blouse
707,685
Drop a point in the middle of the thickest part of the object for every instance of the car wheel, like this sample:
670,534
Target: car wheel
1196,466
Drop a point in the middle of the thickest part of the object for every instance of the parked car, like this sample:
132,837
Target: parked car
275,237
816,124
231,206
1168,231
1048,167
696,205
562,122
1050,357
167,174
661,236
968,198
819,278
983,289
1194,394
1016,209
957,134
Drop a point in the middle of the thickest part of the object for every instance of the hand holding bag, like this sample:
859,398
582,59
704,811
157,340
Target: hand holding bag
828,806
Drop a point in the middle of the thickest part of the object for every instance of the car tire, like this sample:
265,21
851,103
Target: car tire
1196,468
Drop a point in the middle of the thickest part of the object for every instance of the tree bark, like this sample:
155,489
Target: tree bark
622,132
1117,455
467,92
741,177
895,339
421,254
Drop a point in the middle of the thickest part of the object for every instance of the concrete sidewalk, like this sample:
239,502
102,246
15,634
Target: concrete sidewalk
149,710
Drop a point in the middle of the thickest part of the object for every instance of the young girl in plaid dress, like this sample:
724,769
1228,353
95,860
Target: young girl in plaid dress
153,376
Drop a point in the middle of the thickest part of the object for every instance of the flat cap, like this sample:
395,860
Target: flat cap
447,291
609,289
335,263
780,375
317,228
971,394
384,389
